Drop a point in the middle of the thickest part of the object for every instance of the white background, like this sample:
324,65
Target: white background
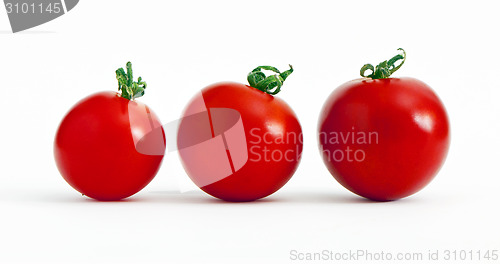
181,46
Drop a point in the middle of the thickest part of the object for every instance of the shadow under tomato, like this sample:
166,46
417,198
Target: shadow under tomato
197,197
332,198
84,199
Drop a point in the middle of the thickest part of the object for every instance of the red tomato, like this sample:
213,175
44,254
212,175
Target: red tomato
95,146
271,149
384,139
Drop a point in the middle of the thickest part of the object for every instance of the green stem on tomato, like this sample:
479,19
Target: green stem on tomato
384,69
130,89
268,84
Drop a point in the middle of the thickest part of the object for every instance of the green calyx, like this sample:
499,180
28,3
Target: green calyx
384,69
269,84
130,89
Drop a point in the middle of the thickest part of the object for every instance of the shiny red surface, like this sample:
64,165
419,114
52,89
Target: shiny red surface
94,147
271,118
412,129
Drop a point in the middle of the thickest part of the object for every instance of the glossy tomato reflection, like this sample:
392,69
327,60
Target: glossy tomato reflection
384,139
238,143
108,146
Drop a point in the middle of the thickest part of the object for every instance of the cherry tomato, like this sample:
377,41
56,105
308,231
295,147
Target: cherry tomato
96,146
384,138
250,158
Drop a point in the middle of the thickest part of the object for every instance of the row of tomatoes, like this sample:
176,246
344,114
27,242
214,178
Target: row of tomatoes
382,138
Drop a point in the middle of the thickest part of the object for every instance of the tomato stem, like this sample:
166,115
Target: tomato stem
385,68
130,89
269,84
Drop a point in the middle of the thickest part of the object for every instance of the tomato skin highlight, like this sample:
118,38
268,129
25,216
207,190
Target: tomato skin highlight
271,119
94,147
412,136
